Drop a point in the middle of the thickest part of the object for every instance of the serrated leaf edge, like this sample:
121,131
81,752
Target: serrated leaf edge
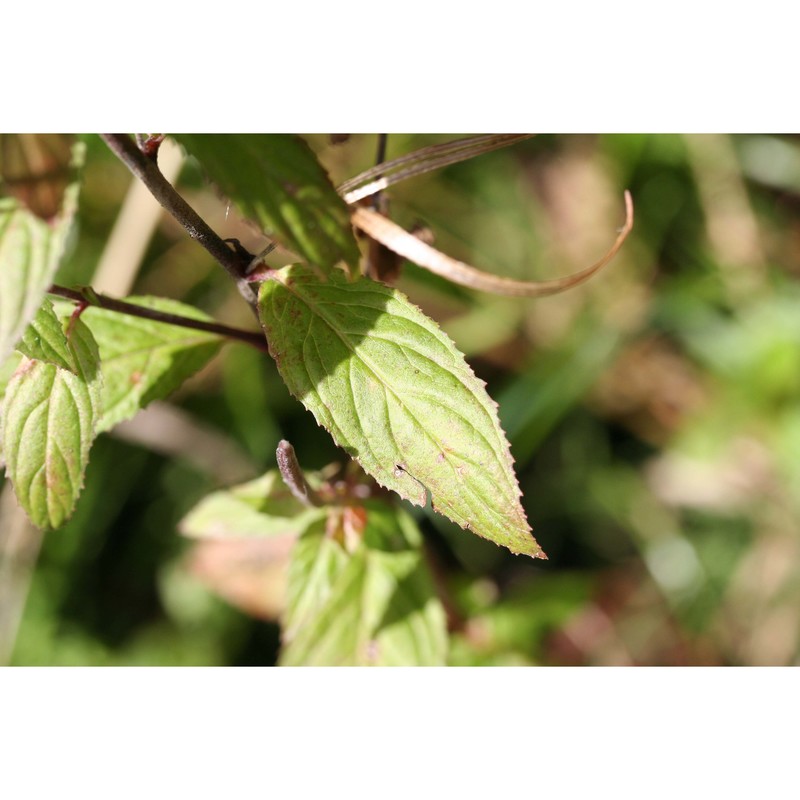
283,277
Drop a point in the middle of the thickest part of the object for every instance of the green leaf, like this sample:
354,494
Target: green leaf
30,252
44,339
262,507
144,360
49,417
276,180
397,395
375,606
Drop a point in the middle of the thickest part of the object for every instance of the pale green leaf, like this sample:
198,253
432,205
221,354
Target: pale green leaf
48,425
277,181
397,395
262,507
144,360
317,562
375,606
30,251
45,340
7,370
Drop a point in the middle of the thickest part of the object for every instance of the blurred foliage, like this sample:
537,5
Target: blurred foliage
653,413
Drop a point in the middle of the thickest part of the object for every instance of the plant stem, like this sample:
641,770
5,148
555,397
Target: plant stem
88,296
146,169
383,138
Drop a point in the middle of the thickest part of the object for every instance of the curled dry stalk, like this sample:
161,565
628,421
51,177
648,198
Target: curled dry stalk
409,246
387,233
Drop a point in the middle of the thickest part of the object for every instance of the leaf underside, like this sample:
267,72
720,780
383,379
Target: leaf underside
277,181
144,360
397,395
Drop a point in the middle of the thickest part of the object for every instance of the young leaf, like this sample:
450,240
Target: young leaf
144,360
49,417
44,339
262,507
276,180
397,395
375,606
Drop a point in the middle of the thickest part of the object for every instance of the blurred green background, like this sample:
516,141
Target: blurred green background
654,415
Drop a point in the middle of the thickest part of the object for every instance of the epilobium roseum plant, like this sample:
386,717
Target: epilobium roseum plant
380,376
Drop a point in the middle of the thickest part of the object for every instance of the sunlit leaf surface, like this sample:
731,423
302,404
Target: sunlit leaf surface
397,395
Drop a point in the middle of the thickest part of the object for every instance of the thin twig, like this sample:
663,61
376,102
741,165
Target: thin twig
148,172
402,242
383,139
89,297
381,263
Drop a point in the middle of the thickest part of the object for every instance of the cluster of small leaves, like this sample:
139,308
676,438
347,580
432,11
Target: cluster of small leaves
64,378
78,377
359,589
